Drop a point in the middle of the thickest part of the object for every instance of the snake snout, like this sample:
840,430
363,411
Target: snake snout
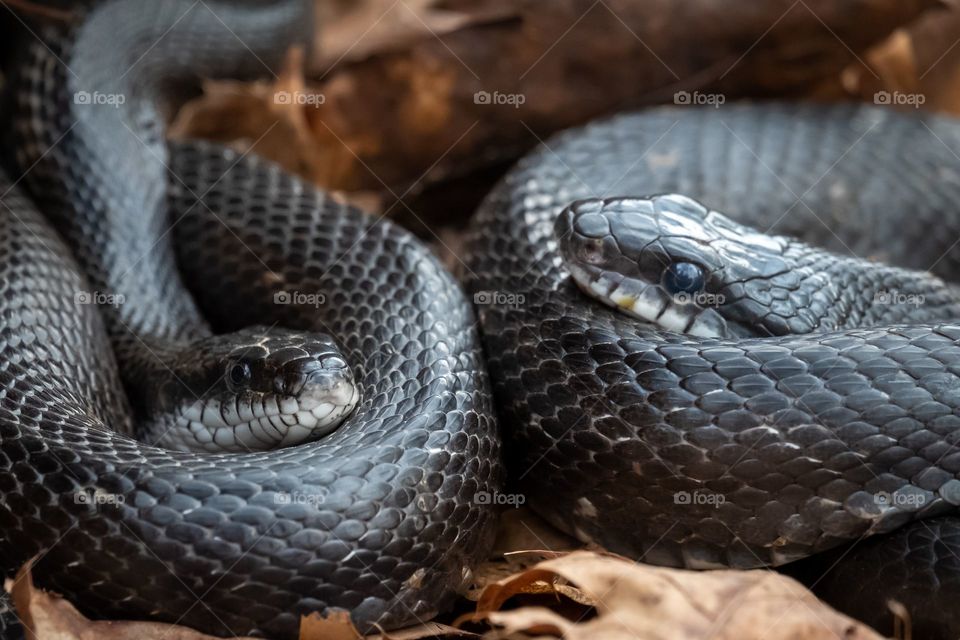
325,385
649,256
314,386
256,389
671,261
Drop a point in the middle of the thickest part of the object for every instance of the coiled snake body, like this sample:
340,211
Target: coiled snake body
737,450
377,517
792,437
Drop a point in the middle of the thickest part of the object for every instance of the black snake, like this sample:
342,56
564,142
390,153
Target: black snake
379,517
736,450
687,451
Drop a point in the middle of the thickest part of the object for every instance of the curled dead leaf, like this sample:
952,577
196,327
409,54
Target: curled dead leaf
423,631
521,531
271,118
334,626
640,602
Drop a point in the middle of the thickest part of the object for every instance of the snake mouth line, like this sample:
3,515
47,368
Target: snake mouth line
650,302
249,424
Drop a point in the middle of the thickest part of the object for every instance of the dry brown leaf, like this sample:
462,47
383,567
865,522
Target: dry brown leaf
247,116
635,601
533,620
434,107
890,66
425,630
275,120
400,96
335,626
338,626
920,59
510,564
632,601
519,532
267,117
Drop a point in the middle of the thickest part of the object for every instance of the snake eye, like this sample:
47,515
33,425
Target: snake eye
591,251
239,374
683,277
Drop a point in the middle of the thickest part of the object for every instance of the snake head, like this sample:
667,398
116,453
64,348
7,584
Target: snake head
671,261
255,389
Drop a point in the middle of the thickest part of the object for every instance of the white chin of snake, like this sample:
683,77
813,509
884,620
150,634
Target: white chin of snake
241,427
648,302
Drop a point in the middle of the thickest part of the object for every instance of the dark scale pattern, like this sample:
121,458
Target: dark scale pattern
771,285
920,566
611,423
380,517
88,137
424,432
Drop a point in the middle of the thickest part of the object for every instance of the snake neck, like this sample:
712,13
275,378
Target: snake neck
98,168
822,291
